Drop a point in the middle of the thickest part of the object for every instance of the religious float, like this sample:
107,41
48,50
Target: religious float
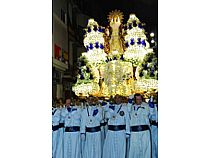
118,59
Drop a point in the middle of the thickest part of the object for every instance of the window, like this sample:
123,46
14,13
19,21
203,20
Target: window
63,16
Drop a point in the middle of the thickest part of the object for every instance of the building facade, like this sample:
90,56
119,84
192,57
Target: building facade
67,27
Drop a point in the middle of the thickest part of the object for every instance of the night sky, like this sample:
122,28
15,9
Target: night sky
145,10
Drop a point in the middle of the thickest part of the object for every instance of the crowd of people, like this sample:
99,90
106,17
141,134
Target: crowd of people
98,128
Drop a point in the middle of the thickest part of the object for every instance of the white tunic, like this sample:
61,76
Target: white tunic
91,117
55,134
140,145
115,142
154,131
72,143
104,128
61,135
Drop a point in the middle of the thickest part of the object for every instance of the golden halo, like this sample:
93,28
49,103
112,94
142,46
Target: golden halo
115,13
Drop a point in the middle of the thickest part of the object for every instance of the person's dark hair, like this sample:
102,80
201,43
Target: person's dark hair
138,94
61,100
83,100
116,96
67,98
76,97
91,96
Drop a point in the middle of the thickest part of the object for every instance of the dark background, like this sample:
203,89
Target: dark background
145,10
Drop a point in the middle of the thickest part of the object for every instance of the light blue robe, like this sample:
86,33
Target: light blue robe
92,144
115,141
72,140
61,135
104,129
154,130
83,107
55,134
140,142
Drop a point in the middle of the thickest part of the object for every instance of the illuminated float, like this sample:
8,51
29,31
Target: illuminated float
118,59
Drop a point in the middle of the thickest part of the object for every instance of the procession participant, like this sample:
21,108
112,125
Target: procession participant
103,121
104,128
61,102
83,102
72,143
118,130
105,105
60,145
124,101
154,126
55,130
91,129
77,102
140,139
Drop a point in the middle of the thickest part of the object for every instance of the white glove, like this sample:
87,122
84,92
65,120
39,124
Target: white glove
151,99
82,136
